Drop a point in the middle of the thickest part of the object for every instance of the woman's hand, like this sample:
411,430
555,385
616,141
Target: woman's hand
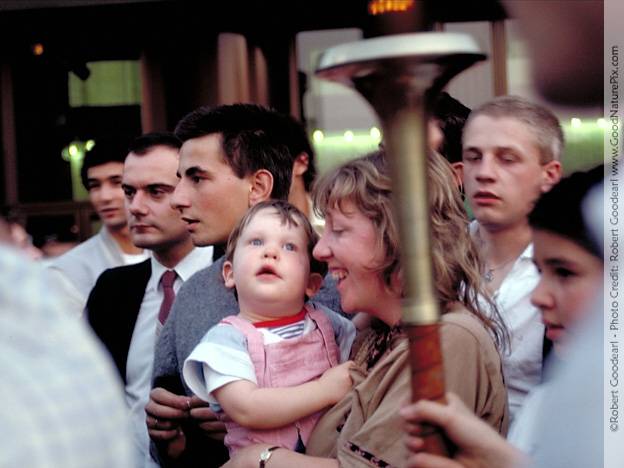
477,443
336,382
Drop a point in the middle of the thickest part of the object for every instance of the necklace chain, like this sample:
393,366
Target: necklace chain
488,276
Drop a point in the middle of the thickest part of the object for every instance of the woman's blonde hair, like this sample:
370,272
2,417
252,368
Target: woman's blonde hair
457,267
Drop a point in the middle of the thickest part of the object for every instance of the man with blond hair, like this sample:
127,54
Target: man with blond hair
511,154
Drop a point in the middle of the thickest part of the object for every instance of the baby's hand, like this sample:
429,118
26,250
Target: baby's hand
336,382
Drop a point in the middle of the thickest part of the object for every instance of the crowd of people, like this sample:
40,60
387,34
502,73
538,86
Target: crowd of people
231,328
237,328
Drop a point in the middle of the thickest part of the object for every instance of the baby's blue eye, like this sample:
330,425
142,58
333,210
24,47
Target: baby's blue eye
289,246
256,242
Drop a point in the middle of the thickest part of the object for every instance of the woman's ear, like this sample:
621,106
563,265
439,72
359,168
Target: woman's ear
315,281
397,282
458,171
228,274
261,186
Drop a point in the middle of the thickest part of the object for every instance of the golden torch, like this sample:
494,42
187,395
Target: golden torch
395,74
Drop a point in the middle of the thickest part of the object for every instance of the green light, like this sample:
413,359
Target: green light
375,133
602,123
318,136
348,135
89,145
74,151
575,122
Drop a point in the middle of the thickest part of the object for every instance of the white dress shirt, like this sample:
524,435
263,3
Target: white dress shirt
522,362
141,352
522,365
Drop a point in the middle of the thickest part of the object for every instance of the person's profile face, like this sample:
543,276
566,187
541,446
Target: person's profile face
349,245
570,276
210,197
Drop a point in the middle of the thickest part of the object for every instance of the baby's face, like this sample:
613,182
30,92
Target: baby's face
570,277
270,268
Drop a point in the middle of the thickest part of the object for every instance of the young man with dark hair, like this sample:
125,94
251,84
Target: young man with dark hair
282,128
76,271
129,304
232,157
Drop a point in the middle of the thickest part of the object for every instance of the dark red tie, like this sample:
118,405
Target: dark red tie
167,280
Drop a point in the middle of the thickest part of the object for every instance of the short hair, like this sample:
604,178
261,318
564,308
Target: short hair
541,121
290,216
560,210
451,116
143,144
104,151
280,132
456,263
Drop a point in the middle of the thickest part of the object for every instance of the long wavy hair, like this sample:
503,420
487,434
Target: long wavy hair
457,266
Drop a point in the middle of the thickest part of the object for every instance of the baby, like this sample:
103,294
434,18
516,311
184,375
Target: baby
269,371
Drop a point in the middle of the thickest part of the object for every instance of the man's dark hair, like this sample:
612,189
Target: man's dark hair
451,116
144,143
105,150
247,129
560,210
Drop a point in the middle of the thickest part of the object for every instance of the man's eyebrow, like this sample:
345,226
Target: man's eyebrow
195,170
160,185
507,148
476,149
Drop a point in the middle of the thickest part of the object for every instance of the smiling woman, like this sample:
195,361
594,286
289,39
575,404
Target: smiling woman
360,245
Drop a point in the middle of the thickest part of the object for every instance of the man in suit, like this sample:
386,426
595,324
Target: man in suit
128,304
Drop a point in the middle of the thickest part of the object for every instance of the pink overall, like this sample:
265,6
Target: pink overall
287,363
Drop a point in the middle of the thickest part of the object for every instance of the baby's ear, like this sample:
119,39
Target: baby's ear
228,274
314,284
